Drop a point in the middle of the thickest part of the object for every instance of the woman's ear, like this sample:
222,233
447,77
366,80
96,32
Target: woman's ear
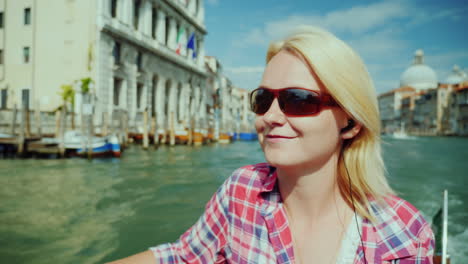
351,130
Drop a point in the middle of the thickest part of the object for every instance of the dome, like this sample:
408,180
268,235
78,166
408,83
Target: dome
419,75
457,76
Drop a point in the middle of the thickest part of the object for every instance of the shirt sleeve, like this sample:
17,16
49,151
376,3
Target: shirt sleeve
204,241
425,246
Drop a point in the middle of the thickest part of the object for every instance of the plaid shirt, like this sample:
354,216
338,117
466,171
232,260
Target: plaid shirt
245,222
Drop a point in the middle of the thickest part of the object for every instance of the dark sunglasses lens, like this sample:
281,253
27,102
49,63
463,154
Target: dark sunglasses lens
299,102
260,101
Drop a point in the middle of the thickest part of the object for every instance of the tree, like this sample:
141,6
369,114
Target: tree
68,97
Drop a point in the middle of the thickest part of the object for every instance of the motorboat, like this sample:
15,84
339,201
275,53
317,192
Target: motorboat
77,143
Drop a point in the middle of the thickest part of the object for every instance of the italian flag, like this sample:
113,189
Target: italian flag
179,40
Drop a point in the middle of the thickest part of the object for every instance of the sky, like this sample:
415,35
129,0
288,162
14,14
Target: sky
386,34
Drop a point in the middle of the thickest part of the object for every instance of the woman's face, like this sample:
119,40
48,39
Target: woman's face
297,141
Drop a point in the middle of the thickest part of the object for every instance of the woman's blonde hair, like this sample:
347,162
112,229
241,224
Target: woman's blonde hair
343,73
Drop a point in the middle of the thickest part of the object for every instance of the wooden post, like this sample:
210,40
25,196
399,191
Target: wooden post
120,131
57,123
13,122
123,129
90,136
126,128
82,128
171,131
165,129
190,132
196,135
154,131
27,122
145,129
62,132
38,122
22,130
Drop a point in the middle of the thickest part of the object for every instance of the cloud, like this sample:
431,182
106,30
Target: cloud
445,58
375,31
213,2
246,69
355,20
421,16
443,63
246,77
375,46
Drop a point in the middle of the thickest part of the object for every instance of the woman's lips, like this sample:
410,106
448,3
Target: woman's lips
277,138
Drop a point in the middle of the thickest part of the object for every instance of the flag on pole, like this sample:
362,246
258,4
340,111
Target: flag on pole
179,40
191,45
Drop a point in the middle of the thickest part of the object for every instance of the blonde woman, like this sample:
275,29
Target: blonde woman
322,196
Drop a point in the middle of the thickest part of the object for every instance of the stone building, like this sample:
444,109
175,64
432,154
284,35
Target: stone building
390,107
241,115
140,54
425,112
230,104
459,109
422,104
406,112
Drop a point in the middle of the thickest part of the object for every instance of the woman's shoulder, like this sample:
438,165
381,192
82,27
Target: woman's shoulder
400,231
254,173
401,212
251,179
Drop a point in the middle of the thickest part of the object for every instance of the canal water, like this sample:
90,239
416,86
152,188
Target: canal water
79,211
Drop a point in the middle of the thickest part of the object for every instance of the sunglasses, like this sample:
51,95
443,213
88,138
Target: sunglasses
292,101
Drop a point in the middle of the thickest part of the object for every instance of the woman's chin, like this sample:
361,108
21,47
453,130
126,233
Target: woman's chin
281,160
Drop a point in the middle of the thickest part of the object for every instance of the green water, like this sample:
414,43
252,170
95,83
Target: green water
79,211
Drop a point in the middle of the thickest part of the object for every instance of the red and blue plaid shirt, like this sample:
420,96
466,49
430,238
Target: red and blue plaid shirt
245,222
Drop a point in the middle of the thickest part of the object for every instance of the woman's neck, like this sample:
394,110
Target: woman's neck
311,192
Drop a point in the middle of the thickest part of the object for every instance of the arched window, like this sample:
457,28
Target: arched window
113,8
168,19
136,13
153,94
154,21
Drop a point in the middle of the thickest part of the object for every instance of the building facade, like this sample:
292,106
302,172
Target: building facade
392,109
423,105
140,55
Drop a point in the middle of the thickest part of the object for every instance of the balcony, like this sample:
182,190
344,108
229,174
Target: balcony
144,42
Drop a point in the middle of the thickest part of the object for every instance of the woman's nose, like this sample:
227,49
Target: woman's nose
274,115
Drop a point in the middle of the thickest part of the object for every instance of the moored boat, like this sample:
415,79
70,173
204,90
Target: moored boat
248,136
77,144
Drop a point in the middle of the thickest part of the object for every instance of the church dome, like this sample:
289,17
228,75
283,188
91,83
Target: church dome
419,75
457,76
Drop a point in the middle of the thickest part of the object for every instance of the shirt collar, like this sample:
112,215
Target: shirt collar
392,236
269,182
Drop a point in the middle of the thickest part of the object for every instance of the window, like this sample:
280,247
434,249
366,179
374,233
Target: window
136,13
117,88
139,60
27,16
26,54
25,98
1,19
154,20
139,94
4,99
168,19
1,57
113,8
116,53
